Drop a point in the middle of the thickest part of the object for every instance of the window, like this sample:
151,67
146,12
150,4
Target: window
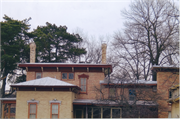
170,94
32,110
104,112
112,92
79,113
54,111
68,76
96,112
83,82
116,113
132,94
38,75
71,75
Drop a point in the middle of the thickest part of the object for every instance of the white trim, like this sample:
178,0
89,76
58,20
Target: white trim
55,101
32,101
7,98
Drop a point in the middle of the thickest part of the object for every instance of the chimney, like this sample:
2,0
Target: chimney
103,47
32,52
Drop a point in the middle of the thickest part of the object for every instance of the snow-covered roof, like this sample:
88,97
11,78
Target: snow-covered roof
165,68
118,81
8,99
91,101
46,81
63,64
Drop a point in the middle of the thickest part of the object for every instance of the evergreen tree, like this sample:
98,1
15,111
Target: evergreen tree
14,46
55,44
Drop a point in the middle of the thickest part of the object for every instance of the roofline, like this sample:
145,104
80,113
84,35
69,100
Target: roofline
8,99
107,104
128,84
162,68
64,65
43,86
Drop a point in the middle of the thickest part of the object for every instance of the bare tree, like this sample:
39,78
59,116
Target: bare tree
93,47
138,98
135,98
150,37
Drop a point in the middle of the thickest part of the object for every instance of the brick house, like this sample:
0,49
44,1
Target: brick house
167,76
62,90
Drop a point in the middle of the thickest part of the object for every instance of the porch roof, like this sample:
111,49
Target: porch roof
127,82
111,103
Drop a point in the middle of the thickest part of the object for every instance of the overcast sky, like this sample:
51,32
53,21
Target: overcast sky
95,18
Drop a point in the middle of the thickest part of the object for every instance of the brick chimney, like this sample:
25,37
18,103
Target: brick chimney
32,52
103,48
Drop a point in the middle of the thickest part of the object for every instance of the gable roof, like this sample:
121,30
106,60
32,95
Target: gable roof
46,81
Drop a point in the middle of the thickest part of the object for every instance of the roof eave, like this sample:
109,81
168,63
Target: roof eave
129,84
16,86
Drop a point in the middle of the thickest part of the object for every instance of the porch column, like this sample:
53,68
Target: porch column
86,111
3,110
9,110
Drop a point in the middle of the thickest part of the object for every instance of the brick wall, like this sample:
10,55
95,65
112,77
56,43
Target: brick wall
93,80
43,108
30,76
142,93
164,81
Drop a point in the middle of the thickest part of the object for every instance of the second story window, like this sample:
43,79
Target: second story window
170,93
83,84
132,94
83,80
38,75
112,92
69,76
